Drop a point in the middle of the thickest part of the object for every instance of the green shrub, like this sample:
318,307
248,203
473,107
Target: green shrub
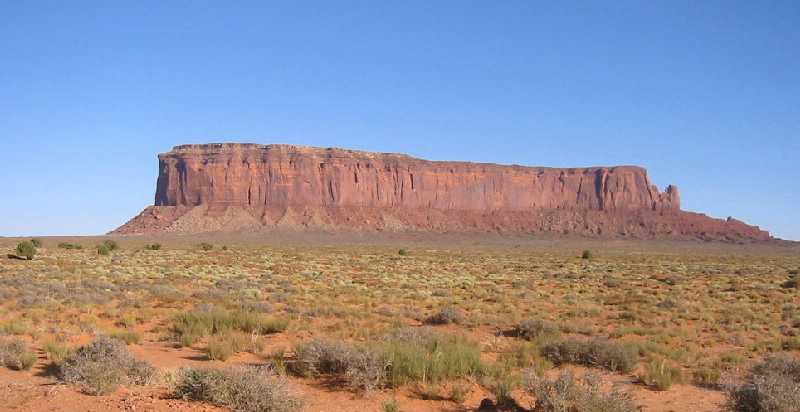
69,246
770,386
102,250
206,246
438,358
111,245
27,360
26,249
502,392
587,254
102,365
252,389
568,394
57,351
402,252
596,352
152,246
221,349
198,323
661,375
459,392
390,405
390,362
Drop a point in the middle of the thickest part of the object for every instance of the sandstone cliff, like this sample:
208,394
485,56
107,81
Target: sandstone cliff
249,187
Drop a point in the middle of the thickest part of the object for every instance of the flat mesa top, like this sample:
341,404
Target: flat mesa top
241,149
213,148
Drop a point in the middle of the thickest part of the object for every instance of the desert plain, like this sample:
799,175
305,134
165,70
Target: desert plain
404,322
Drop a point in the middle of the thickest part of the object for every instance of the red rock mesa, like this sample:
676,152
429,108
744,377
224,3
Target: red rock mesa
232,187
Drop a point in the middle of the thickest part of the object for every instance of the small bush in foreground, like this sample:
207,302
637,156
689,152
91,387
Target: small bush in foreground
102,250
15,354
322,356
587,254
536,329
390,405
661,375
253,389
102,365
706,377
26,249
770,386
568,394
69,246
445,316
111,245
596,352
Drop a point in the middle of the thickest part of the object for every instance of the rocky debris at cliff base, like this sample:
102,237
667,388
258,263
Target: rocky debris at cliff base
237,188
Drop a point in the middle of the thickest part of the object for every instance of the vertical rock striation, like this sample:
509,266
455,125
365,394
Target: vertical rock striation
256,175
246,187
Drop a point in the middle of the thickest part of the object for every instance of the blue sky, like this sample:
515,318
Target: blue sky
705,95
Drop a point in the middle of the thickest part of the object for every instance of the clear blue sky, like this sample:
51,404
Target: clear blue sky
704,94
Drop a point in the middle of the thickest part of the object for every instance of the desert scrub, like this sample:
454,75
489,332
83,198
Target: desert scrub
437,358
660,375
14,353
568,394
192,326
525,355
772,385
446,316
535,329
253,389
26,249
322,356
425,357
56,350
69,246
596,352
127,336
102,365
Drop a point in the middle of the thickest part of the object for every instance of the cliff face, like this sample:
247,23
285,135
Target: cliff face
255,175
249,187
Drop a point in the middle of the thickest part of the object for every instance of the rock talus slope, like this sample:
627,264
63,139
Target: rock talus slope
231,187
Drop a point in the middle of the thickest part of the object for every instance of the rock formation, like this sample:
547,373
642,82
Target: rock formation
229,187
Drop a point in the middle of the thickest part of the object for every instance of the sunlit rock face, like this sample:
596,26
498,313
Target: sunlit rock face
233,187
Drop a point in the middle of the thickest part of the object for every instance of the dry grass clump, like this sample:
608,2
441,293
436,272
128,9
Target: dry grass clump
568,394
660,374
599,353
14,353
770,386
252,389
192,327
535,329
102,365
391,361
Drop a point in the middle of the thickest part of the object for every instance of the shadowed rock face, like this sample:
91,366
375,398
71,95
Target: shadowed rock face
247,187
